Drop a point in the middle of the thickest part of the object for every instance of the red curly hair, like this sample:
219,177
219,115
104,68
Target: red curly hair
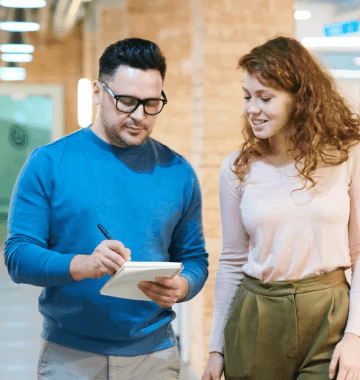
321,120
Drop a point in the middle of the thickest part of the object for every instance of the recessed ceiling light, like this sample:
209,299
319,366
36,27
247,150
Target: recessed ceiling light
19,26
23,3
17,21
16,44
302,15
12,73
9,57
17,48
346,74
341,42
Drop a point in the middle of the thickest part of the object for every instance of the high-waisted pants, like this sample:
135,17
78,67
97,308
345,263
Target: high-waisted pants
286,330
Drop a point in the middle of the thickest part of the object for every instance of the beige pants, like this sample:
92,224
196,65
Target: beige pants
286,329
58,362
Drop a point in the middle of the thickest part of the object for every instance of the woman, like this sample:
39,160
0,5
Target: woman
290,210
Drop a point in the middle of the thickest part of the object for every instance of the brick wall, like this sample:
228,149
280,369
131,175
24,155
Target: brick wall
232,29
168,24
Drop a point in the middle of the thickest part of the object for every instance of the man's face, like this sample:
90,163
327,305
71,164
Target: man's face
126,129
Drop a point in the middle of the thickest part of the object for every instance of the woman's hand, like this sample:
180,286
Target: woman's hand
214,367
347,356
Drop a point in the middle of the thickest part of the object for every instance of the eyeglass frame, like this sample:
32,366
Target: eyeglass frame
139,101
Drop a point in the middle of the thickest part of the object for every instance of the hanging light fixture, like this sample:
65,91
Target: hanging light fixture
11,72
23,3
16,57
16,22
16,44
302,15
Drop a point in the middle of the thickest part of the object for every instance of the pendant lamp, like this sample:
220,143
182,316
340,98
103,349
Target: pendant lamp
16,21
16,44
12,72
23,3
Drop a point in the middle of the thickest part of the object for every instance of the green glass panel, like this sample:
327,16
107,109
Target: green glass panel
24,124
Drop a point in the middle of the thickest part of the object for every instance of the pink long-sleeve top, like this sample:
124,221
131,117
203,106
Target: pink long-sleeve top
274,233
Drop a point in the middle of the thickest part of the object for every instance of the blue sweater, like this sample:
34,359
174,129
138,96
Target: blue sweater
148,197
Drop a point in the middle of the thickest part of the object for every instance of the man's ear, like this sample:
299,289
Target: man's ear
97,92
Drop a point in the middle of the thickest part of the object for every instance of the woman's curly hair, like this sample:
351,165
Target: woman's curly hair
321,120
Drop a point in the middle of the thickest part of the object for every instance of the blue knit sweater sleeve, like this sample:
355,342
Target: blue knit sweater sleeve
28,256
188,244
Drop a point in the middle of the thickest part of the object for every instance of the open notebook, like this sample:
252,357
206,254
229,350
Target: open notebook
124,283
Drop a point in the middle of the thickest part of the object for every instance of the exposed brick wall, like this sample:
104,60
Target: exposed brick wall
232,29
168,24
198,32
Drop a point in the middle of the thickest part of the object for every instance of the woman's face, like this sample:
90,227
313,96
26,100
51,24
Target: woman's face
267,109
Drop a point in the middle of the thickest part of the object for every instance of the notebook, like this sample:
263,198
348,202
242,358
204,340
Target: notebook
124,283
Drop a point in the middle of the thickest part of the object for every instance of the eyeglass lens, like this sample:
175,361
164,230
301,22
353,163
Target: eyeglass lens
128,104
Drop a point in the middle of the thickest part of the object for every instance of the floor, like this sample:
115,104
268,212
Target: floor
20,328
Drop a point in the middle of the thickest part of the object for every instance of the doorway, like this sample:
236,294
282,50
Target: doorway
31,115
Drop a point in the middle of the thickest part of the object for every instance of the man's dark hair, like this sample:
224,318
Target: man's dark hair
133,52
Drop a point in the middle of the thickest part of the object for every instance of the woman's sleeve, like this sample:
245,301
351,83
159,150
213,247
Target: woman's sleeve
233,255
353,324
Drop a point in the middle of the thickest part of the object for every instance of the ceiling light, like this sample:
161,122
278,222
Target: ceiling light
346,74
12,73
10,57
23,3
16,44
17,48
84,102
302,15
19,26
340,42
17,22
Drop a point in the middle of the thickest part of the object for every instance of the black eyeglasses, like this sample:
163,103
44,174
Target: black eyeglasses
128,104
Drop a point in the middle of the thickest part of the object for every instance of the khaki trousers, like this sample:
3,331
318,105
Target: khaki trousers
58,362
286,330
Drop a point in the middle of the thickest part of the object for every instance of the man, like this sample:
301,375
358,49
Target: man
148,199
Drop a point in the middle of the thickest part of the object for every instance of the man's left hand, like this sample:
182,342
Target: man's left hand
166,291
346,357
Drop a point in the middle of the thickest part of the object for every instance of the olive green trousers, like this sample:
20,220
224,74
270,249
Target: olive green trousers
285,330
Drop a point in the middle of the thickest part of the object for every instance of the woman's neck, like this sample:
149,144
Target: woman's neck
281,153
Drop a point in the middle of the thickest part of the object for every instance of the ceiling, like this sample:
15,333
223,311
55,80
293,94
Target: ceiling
341,6
61,15
64,13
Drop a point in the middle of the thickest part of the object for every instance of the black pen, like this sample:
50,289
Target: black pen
106,234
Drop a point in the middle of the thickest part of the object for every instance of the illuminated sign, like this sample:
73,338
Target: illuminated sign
341,28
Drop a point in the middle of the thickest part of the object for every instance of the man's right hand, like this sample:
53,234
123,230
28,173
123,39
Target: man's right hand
214,367
107,258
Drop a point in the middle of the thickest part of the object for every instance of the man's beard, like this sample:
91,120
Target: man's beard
114,137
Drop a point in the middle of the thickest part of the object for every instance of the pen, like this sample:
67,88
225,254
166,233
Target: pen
106,234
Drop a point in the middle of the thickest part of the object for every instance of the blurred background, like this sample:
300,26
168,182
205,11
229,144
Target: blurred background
49,58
